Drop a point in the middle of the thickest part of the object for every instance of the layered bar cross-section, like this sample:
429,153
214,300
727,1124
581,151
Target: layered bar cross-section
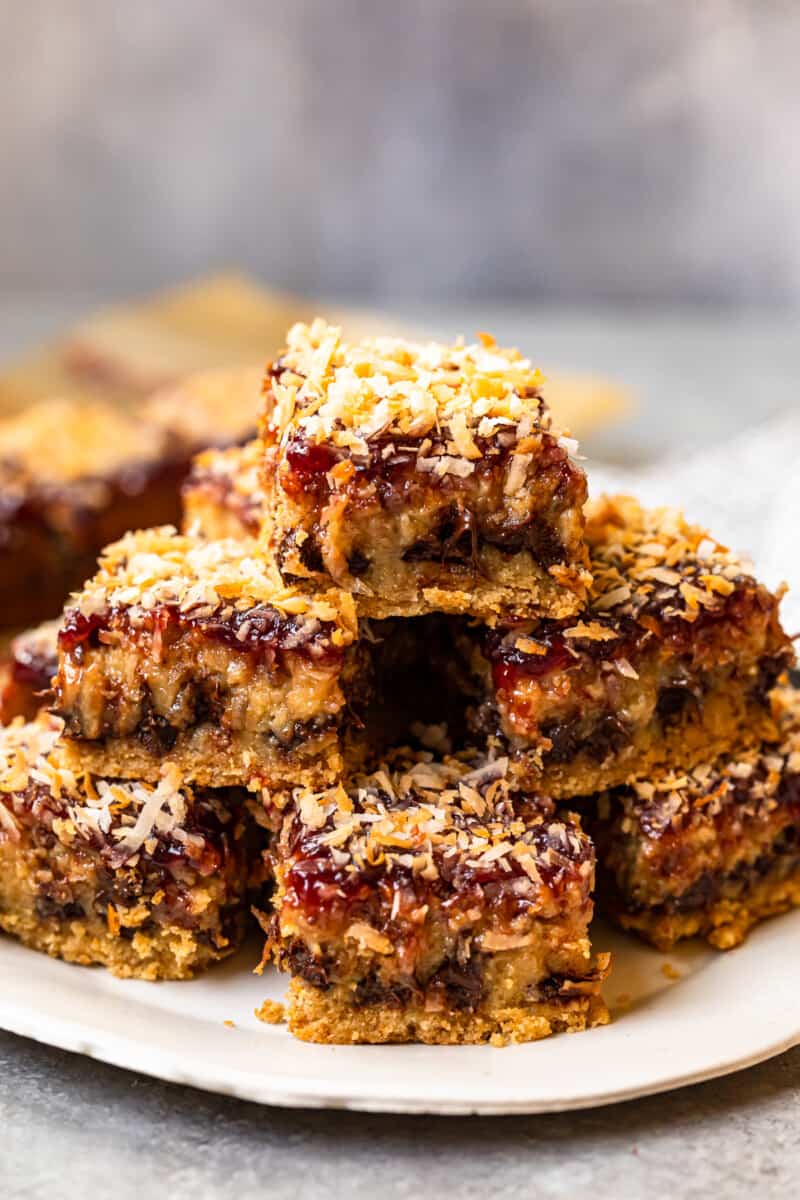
421,478
710,851
432,901
190,651
672,661
152,880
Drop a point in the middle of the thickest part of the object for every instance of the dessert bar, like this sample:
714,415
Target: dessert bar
222,496
74,475
431,901
27,671
190,651
709,851
672,661
421,478
151,880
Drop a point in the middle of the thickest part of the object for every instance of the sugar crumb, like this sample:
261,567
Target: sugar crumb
271,1012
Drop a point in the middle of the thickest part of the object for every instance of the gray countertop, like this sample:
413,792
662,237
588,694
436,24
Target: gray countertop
71,1127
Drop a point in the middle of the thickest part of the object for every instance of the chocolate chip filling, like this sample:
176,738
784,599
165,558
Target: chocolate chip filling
462,984
673,701
568,739
783,857
298,960
453,539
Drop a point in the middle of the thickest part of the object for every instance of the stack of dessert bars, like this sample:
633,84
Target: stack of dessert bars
401,691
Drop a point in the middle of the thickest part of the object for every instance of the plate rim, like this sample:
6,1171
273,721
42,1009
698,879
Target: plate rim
776,1031
279,1097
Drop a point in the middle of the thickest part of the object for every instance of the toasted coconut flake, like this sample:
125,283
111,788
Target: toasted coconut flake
642,558
433,819
506,941
613,598
369,938
351,394
593,631
158,567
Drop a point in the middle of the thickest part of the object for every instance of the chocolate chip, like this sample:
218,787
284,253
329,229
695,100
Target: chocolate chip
358,564
673,701
370,990
462,984
608,736
452,539
300,962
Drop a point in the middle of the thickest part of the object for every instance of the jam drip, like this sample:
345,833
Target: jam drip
260,630
324,891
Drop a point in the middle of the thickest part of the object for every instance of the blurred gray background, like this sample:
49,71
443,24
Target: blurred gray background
631,151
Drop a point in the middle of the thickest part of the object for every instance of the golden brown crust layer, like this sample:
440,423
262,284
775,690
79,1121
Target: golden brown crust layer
329,1017
511,588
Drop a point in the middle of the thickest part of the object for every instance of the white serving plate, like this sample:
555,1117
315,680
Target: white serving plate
722,1013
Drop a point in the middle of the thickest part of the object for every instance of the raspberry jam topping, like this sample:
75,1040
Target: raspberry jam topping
309,459
261,630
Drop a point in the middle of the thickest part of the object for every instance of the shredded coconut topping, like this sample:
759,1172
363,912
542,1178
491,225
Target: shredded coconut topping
646,564
644,557
438,818
61,442
156,567
351,394
208,407
23,745
86,444
120,816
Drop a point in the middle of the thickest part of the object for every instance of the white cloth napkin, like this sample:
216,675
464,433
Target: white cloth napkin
746,491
